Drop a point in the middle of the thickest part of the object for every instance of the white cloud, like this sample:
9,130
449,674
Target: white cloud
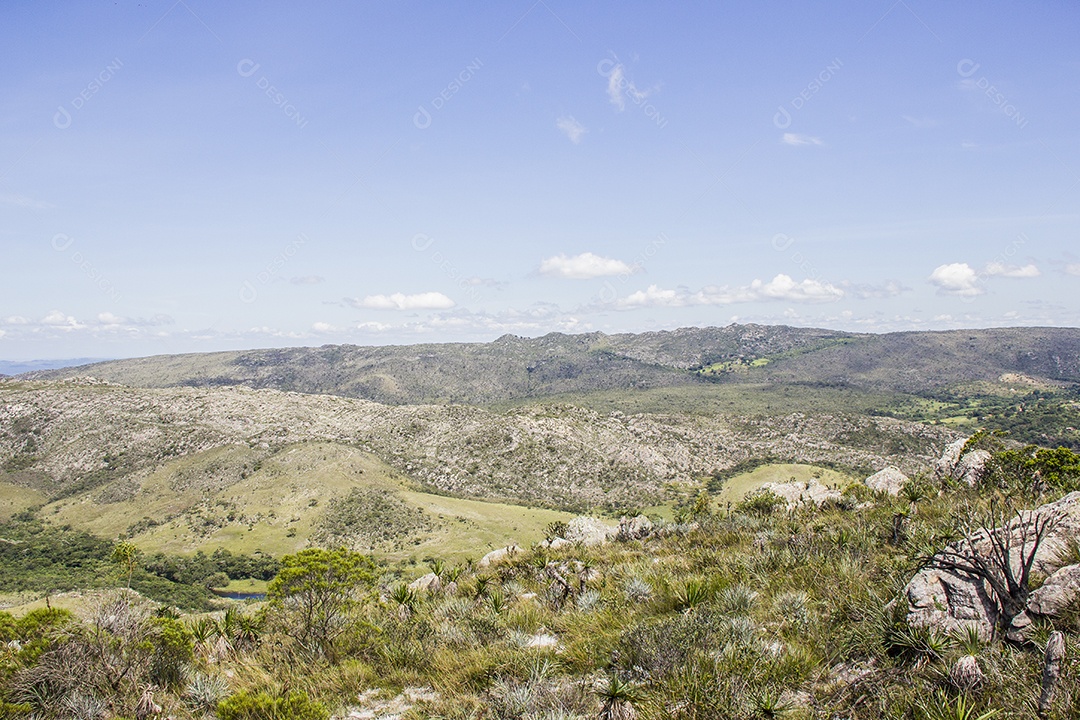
323,327
59,320
996,269
782,287
584,267
16,320
615,83
920,122
1073,268
619,88
571,128
3,333
653,296
373,326
797,139
400,301
956,279
107,318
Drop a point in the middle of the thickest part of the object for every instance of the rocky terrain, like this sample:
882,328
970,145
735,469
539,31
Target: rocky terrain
515,368
67,437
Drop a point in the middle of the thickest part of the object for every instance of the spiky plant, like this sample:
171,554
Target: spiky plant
617,699
940,707
637,590
203,692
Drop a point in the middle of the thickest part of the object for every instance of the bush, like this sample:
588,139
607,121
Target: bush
263,706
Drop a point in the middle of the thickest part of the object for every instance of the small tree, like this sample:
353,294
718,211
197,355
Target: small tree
315,590
126,555
1001,555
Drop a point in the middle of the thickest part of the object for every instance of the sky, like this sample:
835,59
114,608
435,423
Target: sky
187,175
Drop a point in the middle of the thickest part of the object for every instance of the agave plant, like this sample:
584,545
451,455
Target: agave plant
618,699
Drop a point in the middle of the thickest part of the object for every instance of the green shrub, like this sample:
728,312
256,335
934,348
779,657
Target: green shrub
263,706
761,503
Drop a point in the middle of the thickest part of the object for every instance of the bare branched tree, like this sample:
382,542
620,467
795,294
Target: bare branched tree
1000,554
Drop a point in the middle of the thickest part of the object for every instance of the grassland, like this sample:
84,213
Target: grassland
14,499
736,488
250,501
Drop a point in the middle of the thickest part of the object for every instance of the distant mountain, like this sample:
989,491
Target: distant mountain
25,366
515,368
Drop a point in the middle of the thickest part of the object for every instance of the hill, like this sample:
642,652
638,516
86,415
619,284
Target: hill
107,456
516,369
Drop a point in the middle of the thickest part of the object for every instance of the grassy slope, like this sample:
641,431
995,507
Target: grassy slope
737,487
14,499
277,507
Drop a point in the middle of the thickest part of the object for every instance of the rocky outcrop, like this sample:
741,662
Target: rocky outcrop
497,556
635,528
1059,591
890,481
800,493
588,531
426,583
951,601
966,467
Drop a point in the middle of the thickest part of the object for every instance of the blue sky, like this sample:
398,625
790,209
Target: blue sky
182,176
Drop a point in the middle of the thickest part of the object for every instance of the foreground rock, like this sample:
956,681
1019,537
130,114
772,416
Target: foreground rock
889,481
951,601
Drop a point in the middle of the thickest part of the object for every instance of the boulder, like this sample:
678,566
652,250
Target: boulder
1057,593
497,556
588,531
426,583
971,467
950,602
555,543
798,493
963,467
949,459
636,528
890,481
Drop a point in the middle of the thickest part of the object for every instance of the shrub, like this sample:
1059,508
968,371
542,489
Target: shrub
263,706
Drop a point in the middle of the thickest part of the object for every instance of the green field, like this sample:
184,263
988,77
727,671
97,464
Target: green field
15,499
234,498
739,486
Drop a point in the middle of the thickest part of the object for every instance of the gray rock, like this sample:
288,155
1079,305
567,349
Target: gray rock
971,467
1059,590
950,602
636,528
426,583
963,467
890,481
950,458
497,556
588,531
799,493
